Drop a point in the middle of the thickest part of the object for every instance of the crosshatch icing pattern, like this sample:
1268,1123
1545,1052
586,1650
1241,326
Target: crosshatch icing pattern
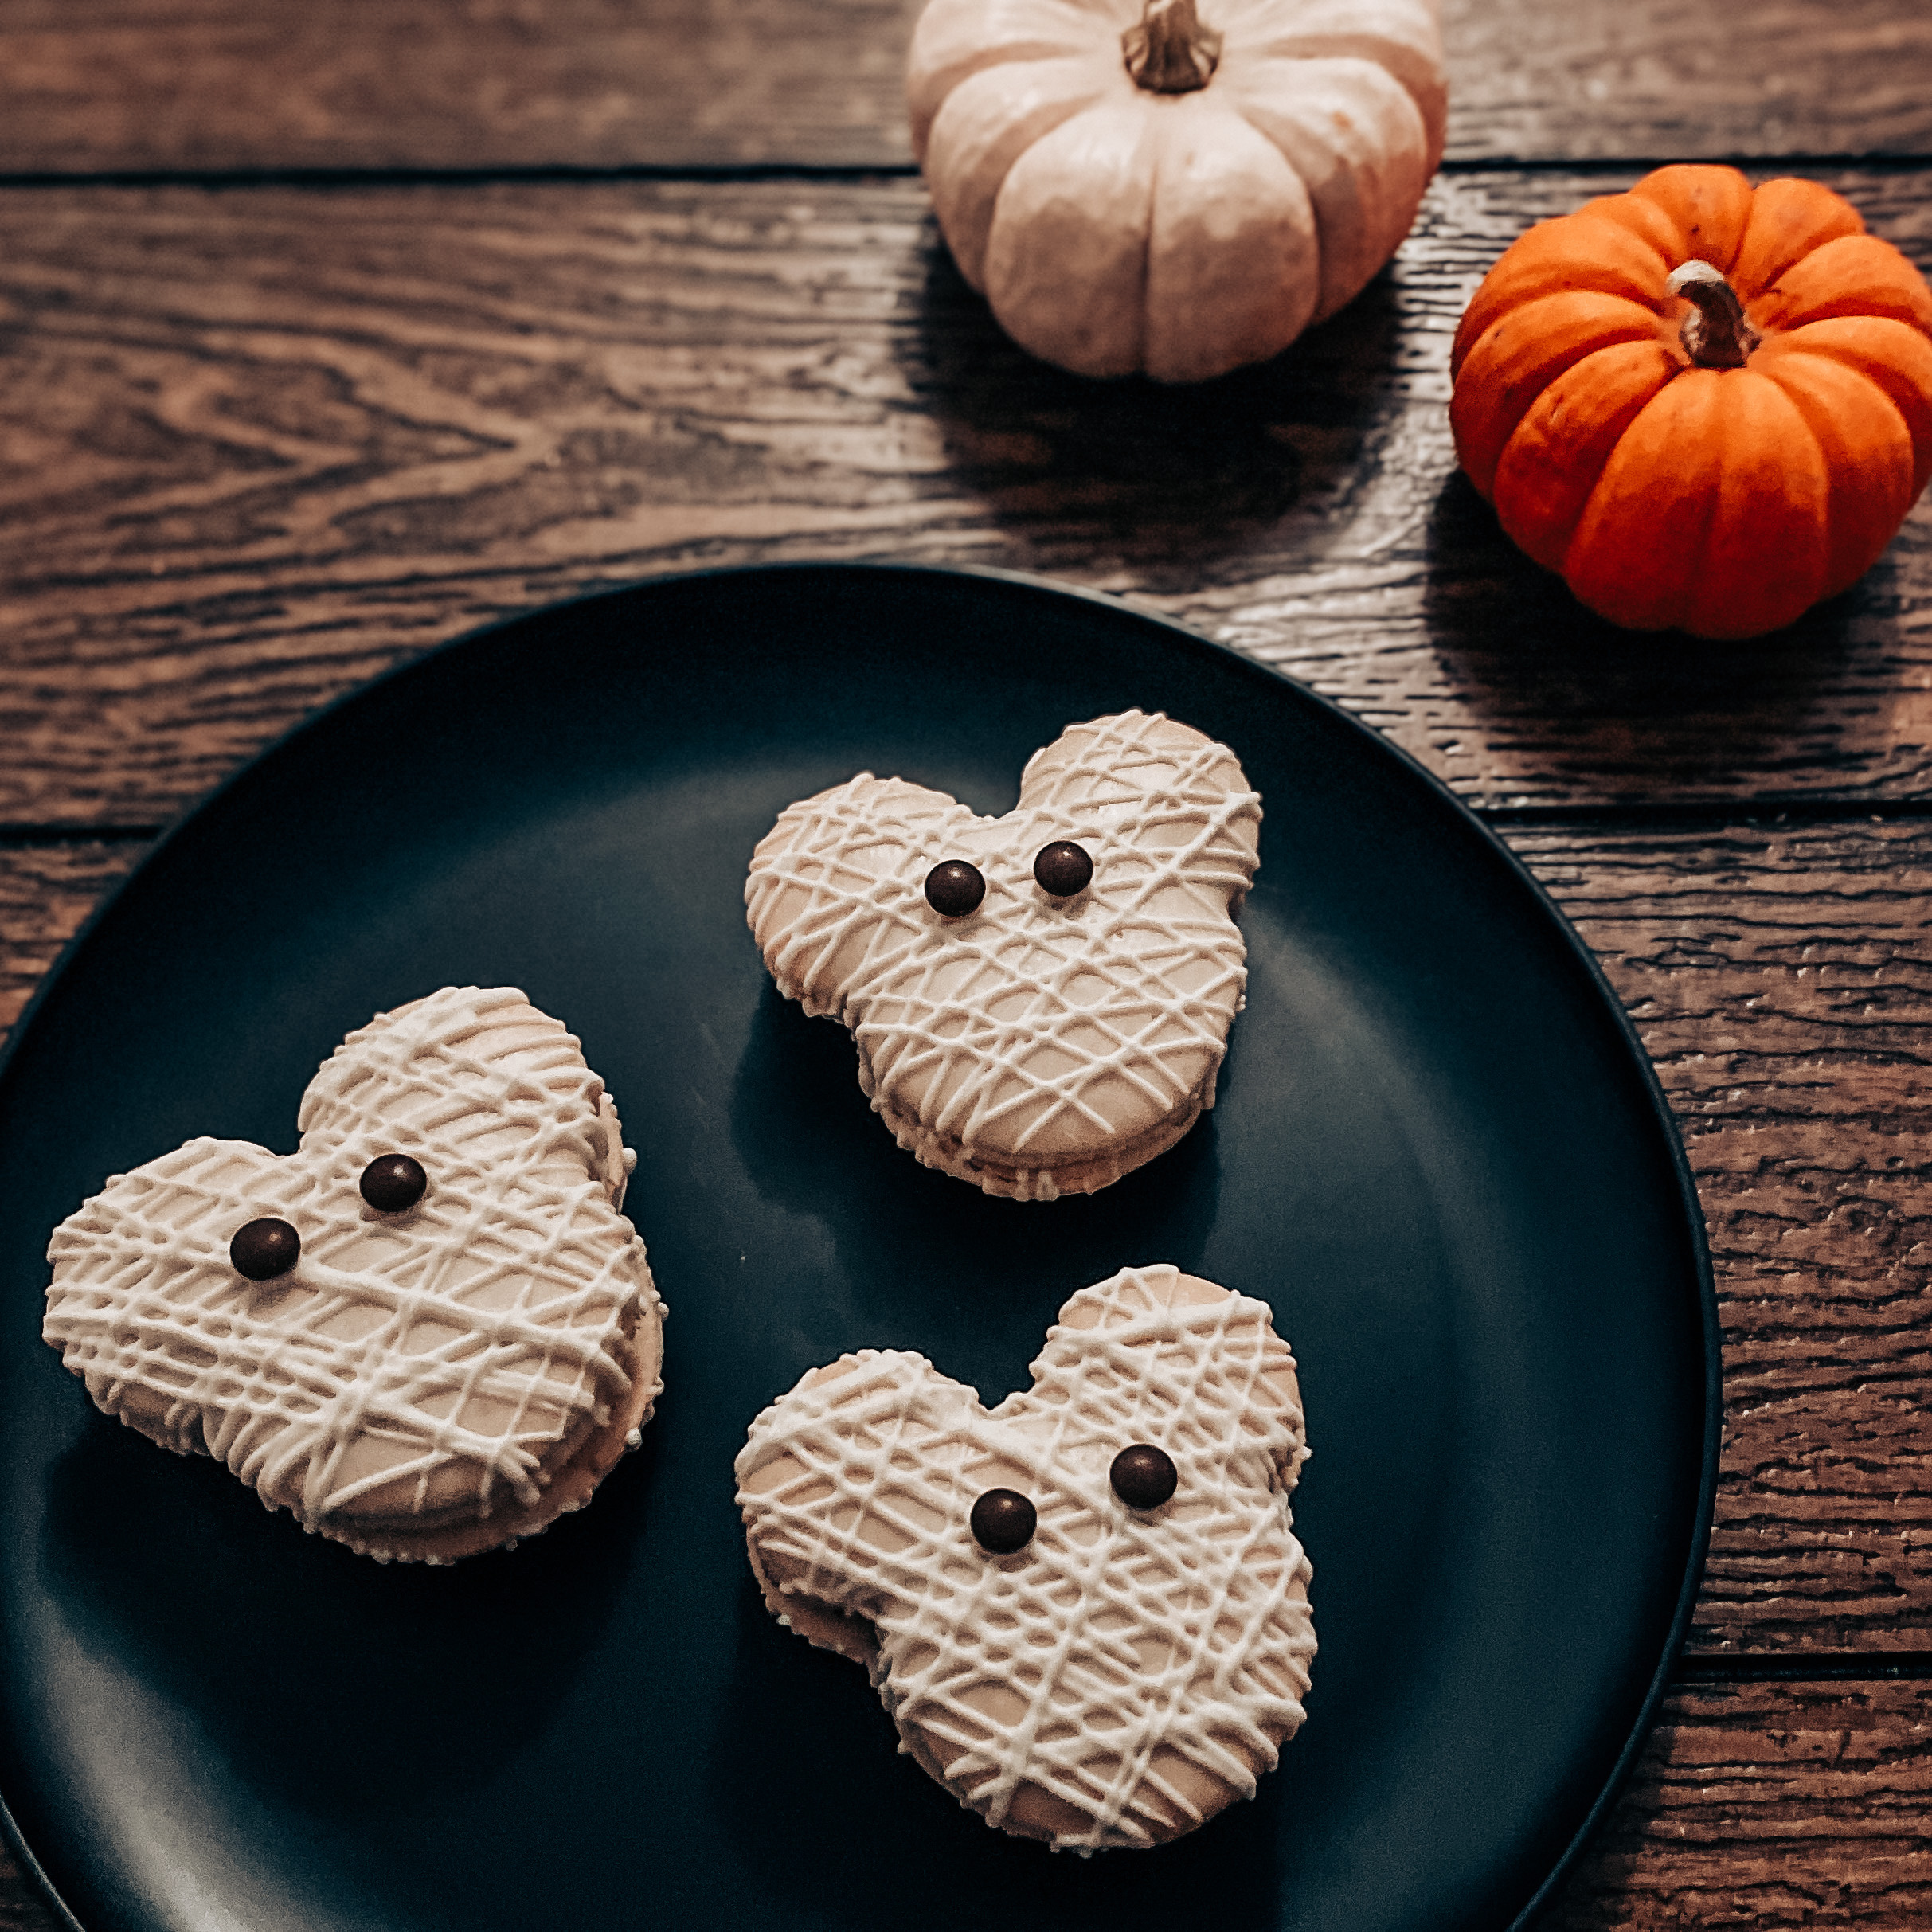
420,1384
1128,1673
1035,1046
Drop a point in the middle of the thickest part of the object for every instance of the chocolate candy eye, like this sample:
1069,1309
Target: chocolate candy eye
1143,1476
1003,1521
393,1182
262,1250
1062,868
954,888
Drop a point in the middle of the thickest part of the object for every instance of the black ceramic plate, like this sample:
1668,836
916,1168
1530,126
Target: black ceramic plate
1439,1154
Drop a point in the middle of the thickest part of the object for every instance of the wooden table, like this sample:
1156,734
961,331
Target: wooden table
329,331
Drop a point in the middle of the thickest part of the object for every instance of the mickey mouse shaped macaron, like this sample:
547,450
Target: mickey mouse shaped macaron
428,1330
1085,1608
1041,1001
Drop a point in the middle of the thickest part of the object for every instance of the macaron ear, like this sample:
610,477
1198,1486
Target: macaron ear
835,890
846,1481
150,1235
475,1078
1179,825
1141,774
1158,1356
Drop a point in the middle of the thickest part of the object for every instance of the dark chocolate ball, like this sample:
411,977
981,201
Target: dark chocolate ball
1003,1521
954,888
1143,1476
1063,869
393,1182
262,1250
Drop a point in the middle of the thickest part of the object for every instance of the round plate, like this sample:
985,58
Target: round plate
1439,1154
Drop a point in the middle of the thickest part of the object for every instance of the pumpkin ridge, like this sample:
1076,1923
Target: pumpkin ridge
985,62
1789,219
1218,216
1417,78
1646,222
1891,356
1554,458
1765,556
1520,356
1055,274
1544,262
1334,146
1638,545
1708,206
1855,275
1866,449
979,132
955,40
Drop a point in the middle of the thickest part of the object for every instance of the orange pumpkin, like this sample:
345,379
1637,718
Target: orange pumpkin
1704,404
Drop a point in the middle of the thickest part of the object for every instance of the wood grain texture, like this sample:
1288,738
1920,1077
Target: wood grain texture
1774,1807
1781,978
255,444
1768,1806
182,84
114,84
1670,81
46,894
22,1907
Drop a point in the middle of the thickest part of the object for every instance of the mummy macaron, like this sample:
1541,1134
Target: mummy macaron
1085,1609
1041,1001
428,1331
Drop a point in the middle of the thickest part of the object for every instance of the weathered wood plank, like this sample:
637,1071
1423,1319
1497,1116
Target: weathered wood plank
1770,1806
1687,80
46,894
220,85
256,444
1782,978
23,1909
124,84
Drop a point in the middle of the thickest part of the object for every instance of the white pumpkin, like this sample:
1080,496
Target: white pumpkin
1161,192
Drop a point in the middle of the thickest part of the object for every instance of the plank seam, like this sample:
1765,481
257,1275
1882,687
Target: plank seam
31,834
1705,814
1715,815
1801,1667
219,178
1878,161
538,172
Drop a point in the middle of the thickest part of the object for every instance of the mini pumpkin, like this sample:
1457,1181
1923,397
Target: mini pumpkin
1149,190
1705,405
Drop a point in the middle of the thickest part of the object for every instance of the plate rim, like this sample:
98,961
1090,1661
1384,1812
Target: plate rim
1662,1119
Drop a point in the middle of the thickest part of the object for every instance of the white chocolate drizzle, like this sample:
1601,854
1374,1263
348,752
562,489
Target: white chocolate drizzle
1038,1046
1127,1673
414,1370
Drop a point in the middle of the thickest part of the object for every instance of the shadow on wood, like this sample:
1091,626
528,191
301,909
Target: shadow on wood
1165,478
1638,711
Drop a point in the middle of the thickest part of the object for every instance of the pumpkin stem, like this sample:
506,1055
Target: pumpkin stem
1170,51
1716,333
